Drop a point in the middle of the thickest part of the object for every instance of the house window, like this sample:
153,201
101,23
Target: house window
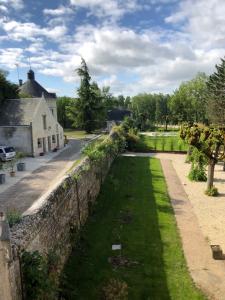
39,143
52,110
44,122
53,139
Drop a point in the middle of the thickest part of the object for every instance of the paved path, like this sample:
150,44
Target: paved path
207,273
25,192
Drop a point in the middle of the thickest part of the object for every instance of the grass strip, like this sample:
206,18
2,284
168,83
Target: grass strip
133,209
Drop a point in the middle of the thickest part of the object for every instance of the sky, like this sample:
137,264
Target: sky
133,46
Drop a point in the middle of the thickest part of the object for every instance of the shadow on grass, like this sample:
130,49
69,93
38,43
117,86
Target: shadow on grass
149,239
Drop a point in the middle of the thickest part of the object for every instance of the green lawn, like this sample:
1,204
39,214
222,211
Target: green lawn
78,134
160,143
135,187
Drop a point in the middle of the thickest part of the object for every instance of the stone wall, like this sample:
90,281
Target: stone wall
65,210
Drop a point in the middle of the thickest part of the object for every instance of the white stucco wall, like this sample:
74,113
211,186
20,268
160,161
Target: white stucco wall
18,137
52,106
53,128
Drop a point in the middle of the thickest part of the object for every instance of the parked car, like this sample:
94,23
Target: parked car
7,153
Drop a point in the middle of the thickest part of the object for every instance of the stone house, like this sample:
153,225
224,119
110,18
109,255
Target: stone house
30,124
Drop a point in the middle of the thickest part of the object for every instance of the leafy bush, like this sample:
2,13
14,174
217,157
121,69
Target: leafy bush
198,163
212,192
112,145
37,279
132,139
13,217
115,290
197,174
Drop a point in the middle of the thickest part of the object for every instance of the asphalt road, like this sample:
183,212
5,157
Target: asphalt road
26,191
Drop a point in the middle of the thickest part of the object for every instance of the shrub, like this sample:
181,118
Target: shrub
115,290
198,163
111,145
132,139
13,217
197,174
37,276
213,192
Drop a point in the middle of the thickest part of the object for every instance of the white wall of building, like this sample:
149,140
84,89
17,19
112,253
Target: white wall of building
17,136
46,138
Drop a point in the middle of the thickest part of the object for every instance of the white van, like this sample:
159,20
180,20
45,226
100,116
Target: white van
7,153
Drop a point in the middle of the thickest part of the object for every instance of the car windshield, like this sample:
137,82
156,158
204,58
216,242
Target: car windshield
9,149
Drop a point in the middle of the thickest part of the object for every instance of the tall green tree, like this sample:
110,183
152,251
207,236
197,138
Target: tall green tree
143,107
99,108
89,103
127,102
120,101
8,90
108,98
188,103
162,110
216,89
63,111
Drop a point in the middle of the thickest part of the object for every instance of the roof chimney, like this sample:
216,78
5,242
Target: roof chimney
20,82
30,75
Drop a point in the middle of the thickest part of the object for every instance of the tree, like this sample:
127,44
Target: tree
127,102
89,103
8,90
209,141
143,107
63,111
188,103
108,99
120,101
99,108
216,89
162,110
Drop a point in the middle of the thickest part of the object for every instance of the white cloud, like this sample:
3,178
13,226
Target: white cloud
203,21
61,10
110,8
30,31
128,60
9,57
14,4
3,9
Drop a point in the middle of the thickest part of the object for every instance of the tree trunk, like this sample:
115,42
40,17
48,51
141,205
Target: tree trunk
166,122
210,178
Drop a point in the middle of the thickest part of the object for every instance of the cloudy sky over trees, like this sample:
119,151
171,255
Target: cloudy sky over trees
133,46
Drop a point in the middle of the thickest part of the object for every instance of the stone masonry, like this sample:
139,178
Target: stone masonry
65,210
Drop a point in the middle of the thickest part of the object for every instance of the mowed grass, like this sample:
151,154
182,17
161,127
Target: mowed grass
134,185
160,143
77,134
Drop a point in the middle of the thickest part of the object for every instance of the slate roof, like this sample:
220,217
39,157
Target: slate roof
33,89
117,114
16,112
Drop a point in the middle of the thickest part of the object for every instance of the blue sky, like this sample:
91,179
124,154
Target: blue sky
133,46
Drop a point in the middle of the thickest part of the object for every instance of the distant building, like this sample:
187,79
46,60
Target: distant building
30,124
115,116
